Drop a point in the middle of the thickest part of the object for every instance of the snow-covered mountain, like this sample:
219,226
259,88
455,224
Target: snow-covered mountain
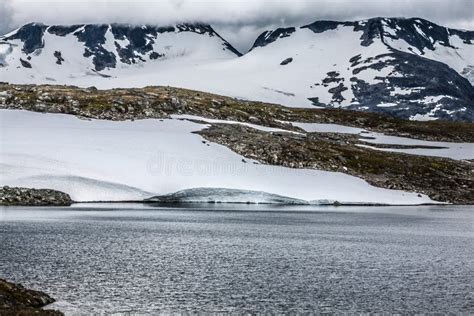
66,52
410,68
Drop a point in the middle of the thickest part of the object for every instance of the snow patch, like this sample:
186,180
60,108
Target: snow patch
327,128
458,151
159,157
217,121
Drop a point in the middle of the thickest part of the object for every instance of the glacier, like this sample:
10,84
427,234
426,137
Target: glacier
97,160
219,195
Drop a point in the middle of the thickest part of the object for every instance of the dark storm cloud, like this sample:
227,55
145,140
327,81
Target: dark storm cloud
239,21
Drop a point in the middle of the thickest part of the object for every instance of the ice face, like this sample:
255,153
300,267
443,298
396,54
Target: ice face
221,195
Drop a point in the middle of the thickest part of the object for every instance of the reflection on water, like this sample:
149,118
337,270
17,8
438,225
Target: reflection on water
223,258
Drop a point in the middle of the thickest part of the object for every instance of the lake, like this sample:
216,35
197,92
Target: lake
134,258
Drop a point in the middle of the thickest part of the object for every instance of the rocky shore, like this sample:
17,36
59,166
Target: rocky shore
10,196
17,300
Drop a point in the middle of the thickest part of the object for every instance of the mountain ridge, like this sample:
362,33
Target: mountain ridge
94,37
406,67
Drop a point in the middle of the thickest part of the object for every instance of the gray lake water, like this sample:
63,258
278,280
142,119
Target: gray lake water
143,259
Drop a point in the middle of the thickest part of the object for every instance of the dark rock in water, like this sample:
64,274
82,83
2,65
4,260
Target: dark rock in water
286,61
33,197
17,300
25,63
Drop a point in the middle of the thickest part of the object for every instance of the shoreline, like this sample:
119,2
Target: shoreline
189,204
15,299
33,197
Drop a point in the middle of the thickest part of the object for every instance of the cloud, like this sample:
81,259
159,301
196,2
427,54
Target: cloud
6,13
238,20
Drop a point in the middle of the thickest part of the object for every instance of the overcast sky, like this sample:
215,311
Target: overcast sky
239,21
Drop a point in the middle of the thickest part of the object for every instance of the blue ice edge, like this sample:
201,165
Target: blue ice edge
237,196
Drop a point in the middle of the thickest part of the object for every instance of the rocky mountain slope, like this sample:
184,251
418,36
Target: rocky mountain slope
410,68
110,45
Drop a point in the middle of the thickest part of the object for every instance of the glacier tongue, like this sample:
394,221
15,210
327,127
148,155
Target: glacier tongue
222,195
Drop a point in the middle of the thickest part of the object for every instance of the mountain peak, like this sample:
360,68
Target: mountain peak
408,67
107,44
417,32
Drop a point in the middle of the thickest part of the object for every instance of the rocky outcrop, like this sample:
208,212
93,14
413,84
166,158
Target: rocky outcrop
441,179
161,102
268,37
33,197
17,300
139,40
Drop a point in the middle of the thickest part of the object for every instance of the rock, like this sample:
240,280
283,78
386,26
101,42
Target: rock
175,101
25,63
33,197
40,107
155,55
59,57
341,153
17,300
286,61
216,103
254,120
45,97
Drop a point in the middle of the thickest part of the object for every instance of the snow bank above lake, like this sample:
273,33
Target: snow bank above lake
94,160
